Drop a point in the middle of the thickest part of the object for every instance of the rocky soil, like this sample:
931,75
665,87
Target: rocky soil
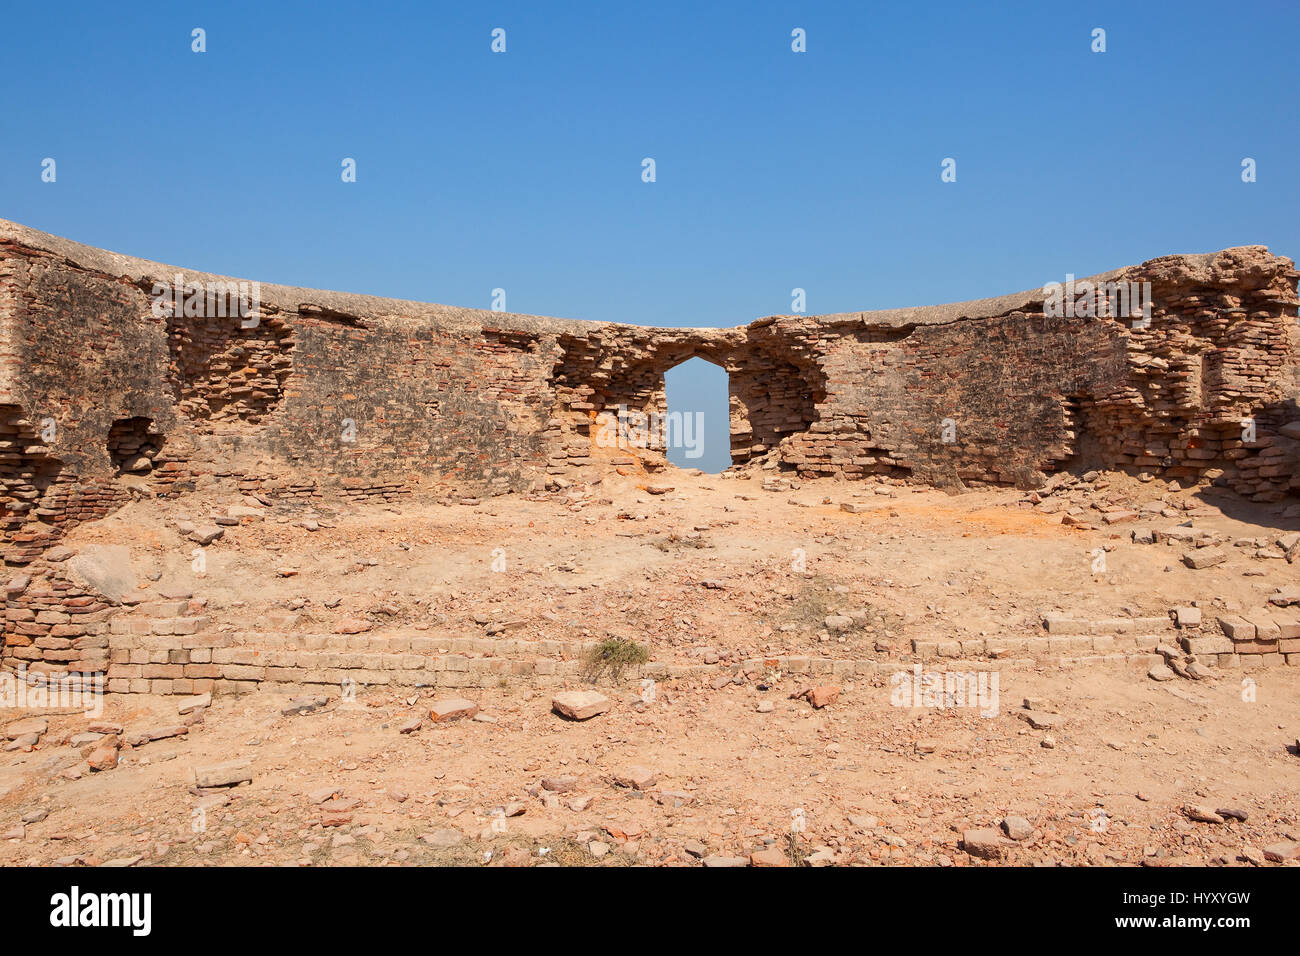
1077,756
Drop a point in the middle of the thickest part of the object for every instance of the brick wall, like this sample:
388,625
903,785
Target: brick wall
104,394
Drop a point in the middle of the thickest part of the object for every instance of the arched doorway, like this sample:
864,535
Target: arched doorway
697,432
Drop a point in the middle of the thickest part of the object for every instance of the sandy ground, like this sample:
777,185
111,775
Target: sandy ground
716,568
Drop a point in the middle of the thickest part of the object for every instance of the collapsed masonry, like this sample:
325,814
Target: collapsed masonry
119,375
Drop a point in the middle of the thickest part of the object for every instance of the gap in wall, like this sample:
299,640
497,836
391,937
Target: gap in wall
698,423
132,445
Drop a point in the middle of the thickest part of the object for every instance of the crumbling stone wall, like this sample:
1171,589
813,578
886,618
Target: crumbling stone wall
334,394
222,373
775,384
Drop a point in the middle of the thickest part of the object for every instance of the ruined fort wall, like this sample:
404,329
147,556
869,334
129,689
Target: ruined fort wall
101,391
1028,392
104,394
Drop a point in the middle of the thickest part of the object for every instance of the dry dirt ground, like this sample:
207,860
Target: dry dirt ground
716,569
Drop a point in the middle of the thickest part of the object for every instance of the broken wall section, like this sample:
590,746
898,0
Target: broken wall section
111,389
774,382
966,402
228,371
1008,399
1210,385
80,354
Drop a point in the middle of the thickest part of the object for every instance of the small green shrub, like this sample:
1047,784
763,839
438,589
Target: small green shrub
612,657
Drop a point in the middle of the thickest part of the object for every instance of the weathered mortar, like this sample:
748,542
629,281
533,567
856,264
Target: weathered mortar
330,393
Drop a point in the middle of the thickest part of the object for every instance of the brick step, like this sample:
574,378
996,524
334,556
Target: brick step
1052,646
125,624
236,663
241,668
335,671
388,642
1060,625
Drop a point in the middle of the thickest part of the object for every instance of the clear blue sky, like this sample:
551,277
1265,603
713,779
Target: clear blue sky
522,170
